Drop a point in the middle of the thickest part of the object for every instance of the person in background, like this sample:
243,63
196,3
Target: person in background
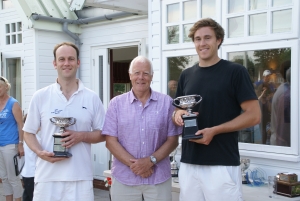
281,109
265,90
62,178
140,134
172,87
28,170
210,167
11,142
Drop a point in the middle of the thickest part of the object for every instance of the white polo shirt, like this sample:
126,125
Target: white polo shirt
87,108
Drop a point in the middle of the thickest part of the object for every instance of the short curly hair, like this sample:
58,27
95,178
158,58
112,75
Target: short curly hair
208,22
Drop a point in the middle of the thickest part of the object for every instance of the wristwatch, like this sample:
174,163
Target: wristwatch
153,159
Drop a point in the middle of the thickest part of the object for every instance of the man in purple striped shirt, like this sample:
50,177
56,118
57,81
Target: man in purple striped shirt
141,135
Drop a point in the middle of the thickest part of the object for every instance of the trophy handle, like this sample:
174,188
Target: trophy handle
200,99
74,121
52,120
176,105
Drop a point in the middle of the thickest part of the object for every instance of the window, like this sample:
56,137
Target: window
175,65
13,74
13,33
248,20
274,74
180,15
6,4
267,70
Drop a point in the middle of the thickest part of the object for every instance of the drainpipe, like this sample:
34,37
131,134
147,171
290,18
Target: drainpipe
65,23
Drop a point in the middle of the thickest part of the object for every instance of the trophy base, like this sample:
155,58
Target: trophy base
190,127
62,154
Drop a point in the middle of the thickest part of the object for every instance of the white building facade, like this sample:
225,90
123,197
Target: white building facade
261,35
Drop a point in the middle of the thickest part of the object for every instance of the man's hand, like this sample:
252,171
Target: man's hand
71,138
177,119
48,156
142,167
21,149
208,135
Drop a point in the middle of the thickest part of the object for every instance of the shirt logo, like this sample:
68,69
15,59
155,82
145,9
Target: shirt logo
56,111
84,107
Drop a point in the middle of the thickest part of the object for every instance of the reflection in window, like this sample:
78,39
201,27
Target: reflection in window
269,71
254,4
282,2
236,27
13,71
208,8
189,10
235,6
186,31
175,66
173,34
282,21
258,24
173,13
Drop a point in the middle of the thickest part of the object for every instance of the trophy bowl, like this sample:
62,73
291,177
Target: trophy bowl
190,121
62,123
245,163
187,102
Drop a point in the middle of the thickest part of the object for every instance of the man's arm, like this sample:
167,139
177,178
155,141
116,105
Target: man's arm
74,137
35,146
143,164
17,112
250,117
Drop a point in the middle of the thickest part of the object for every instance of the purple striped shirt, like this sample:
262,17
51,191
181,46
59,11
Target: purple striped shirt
141,131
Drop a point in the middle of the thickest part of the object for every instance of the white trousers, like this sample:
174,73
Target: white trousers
210,183
64,191
11,183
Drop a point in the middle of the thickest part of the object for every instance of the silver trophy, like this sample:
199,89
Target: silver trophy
245,163
190,121
62,122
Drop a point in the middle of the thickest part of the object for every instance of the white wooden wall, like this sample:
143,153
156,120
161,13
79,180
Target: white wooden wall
38,70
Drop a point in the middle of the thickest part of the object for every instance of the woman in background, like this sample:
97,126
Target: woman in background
11,142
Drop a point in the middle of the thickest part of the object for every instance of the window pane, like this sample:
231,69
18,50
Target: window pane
186,31
19,26
268,70
13,27
175,66
189,10
7,28
236,27
282,2
173,12
13,67
19,38
208,8
282,21
7,4
258,24
254,4
173,34
13,39
7,40
235,6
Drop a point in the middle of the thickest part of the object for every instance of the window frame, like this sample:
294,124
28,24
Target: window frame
181,45
260,38
272,151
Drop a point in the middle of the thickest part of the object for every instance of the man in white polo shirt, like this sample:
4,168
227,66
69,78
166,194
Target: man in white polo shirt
64,178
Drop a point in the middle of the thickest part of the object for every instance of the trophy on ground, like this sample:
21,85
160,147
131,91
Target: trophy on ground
245,163
62,122
190,121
